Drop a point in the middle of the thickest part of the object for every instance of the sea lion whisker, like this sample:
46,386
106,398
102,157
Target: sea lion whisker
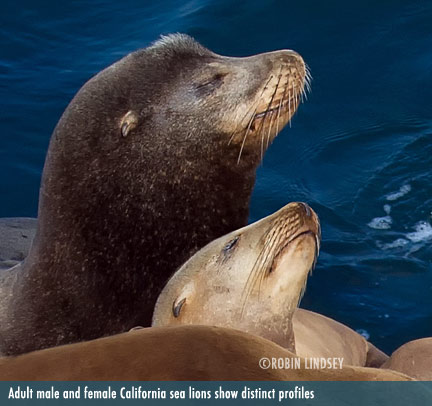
261,127
272,248
254,107
279,108
264,262
253,119
271,124
247,291
261,130
255,272
289,105
302,86
303,93
246,134
308,78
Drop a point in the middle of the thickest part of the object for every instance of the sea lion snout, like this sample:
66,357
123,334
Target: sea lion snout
291,60
307,209
272,85
296,219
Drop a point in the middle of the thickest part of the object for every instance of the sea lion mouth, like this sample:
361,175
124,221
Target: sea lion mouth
275,108
281,107
316,237
296,221
275,105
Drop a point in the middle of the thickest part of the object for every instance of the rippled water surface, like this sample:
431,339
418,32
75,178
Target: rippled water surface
359,151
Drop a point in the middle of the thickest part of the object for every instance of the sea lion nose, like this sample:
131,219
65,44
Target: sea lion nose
311,219
306,208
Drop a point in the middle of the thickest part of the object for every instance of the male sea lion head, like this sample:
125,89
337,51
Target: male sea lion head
161,111
251,279
242,102
174,105
197,98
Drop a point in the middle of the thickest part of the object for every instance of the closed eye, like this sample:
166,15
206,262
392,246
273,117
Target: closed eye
213,83
231,244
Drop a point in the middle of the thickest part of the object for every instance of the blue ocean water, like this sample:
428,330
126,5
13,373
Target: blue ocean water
359,150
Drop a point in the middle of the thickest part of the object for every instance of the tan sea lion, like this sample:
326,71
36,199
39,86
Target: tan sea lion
227,283
414,359
320,336
191,353
251,279
153,158
375,357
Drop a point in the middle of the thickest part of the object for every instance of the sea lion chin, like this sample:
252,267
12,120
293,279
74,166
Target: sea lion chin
251,279
153,158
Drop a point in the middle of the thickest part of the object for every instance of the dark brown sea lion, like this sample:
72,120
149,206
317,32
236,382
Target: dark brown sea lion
251,279
191,353
154,157
414,359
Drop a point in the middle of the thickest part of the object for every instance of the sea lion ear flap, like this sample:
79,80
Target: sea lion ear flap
185,294
136,328
177,306
128,123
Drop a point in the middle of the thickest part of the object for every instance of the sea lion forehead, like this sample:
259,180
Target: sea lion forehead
179,45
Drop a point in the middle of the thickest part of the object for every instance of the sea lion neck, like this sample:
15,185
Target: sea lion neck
95,201
107,219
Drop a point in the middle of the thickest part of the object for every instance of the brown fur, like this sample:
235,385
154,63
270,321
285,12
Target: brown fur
375,357
172,353
414,359
320,336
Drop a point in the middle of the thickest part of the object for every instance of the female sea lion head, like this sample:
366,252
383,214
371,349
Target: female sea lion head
251,279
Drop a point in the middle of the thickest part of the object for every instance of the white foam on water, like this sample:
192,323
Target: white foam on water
423,232
402,192
399,243
387,208
412,240
381,223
